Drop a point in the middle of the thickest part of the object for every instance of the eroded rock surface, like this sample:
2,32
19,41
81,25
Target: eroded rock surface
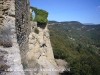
10,58
40,51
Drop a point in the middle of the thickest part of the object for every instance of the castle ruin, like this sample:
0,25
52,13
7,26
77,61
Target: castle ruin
14,32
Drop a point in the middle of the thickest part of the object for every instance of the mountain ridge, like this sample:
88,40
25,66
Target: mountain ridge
53,21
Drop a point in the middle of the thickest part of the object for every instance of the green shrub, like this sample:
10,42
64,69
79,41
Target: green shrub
36,31
59,54
40,15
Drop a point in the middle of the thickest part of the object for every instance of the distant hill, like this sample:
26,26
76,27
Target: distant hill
64,22
78,44
89,24
52,21
75,22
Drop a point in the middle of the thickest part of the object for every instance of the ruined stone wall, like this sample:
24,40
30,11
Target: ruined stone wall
7,22
14,32
10,59
22,24
18,12
3,7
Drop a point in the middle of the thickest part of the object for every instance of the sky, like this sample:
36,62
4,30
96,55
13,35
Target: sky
84,11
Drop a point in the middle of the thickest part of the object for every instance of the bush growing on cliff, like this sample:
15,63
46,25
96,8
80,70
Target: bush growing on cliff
40,15
36,31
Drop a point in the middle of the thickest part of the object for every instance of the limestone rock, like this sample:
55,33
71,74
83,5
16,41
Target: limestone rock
9,48
62,65
40,50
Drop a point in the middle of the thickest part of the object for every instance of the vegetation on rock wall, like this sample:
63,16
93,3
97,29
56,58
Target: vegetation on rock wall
40,15
36,31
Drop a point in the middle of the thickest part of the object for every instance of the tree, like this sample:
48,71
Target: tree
40,15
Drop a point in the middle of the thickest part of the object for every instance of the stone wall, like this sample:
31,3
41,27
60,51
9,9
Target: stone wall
7,22
3,7
22,24
8,8
10,59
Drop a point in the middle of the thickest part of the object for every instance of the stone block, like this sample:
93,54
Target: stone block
1,16
1,2
1,12
1,19
5,7
0,6
0,22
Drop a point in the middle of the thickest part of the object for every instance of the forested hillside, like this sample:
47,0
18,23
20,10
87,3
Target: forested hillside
78,44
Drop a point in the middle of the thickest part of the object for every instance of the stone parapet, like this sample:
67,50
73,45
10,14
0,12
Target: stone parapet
22,24
14,32
3,8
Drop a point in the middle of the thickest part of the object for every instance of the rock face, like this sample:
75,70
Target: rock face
12,35
22,23
40,51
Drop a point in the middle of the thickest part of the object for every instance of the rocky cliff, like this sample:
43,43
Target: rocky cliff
25,47
40,55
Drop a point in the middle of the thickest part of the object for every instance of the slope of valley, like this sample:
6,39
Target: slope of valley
78,44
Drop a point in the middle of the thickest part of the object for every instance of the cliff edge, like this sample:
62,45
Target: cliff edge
40,55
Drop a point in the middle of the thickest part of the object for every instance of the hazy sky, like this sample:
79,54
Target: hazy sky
84,11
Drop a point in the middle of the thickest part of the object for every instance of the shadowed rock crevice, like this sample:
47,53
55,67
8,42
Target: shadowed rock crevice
41,25
43,45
